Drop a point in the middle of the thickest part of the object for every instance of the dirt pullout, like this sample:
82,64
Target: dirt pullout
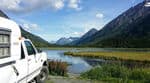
59,79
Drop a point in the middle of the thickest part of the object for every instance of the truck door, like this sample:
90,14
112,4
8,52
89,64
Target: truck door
21,66
32,63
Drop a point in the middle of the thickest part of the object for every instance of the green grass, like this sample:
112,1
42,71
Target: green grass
118,74
133,56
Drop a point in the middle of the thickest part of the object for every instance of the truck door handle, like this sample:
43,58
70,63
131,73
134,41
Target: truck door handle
15,70
29,59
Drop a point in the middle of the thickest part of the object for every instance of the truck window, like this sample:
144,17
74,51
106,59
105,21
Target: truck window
30,48
4,43
22,53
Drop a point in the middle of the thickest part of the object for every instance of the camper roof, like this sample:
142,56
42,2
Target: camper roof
7,25
10,25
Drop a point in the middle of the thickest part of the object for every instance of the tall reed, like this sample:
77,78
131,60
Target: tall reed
58,68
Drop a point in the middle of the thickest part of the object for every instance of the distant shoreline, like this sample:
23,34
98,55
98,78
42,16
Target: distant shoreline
80,48
142,58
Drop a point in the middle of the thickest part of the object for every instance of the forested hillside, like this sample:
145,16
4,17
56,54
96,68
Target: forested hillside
130,29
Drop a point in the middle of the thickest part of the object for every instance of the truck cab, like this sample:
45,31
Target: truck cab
20,62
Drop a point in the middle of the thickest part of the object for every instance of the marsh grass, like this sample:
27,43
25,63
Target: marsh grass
118,74
130,56
58,68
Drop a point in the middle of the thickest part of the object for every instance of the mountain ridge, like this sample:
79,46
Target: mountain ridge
122,31
86,35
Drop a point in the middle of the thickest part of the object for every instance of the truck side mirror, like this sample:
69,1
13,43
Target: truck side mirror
39,50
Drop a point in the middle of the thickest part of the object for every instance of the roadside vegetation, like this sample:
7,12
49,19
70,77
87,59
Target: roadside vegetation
58,68
130,56
118,74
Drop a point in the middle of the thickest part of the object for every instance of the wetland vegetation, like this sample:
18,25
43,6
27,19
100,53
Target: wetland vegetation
134,56
118,74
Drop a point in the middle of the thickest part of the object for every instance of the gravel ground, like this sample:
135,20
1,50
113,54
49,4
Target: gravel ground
72,79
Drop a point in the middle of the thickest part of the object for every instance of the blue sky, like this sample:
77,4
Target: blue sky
53,19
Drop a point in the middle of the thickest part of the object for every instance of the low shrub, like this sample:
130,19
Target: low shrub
58,68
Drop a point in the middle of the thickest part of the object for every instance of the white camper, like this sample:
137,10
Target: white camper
20,62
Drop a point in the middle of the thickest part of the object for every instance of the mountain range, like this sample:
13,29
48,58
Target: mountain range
66,41
75,40
38,41
130,29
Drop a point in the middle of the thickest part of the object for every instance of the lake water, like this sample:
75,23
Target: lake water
80,64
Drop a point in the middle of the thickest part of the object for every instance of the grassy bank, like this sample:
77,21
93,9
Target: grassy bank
118,74
130,56
58,68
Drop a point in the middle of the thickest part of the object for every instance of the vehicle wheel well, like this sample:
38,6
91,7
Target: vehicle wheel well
45,63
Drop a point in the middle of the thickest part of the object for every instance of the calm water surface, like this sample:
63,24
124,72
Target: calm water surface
80,64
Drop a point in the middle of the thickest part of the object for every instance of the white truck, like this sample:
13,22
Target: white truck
20,62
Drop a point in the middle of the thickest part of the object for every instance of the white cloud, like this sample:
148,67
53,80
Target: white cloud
74,4
30,26
25,6
56,4
99,15
10,5
27,25
77,33
35,26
